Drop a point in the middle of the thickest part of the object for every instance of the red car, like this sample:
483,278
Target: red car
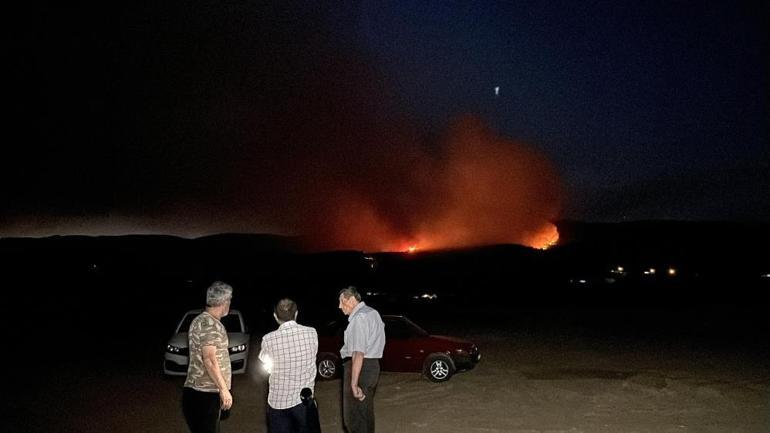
408,348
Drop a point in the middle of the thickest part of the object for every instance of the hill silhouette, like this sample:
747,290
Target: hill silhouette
684,256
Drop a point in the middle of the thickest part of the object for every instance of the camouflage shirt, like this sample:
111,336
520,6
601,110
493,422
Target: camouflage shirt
206,330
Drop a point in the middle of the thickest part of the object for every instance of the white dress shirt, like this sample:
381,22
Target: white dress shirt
365,333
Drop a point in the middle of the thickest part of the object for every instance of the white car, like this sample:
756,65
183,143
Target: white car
177,353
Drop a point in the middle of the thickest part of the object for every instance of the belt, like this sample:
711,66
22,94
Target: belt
348,358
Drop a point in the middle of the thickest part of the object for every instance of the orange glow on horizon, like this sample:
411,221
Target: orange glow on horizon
546,237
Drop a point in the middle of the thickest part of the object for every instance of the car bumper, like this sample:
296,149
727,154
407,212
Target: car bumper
466,360
175,365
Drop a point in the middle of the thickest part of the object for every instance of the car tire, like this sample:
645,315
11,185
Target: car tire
438,367
328,367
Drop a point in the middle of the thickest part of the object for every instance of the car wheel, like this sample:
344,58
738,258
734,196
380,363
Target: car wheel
438,367
328,368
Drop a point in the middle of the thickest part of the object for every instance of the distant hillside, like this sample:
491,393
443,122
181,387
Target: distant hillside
591,260
137,254
675,239
721,253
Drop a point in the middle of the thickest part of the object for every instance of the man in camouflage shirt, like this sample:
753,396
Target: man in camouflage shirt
207,387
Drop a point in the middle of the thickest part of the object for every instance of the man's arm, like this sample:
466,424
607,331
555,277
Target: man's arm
212,367
356,362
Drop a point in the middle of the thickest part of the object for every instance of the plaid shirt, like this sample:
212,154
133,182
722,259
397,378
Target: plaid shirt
291,350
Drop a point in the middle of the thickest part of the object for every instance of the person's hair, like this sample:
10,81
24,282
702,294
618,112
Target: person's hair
349,291
218,293
286,310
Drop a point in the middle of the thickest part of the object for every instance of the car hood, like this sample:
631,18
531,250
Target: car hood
236,338
453,340
178,340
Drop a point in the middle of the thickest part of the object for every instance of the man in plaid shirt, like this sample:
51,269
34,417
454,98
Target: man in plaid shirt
289,355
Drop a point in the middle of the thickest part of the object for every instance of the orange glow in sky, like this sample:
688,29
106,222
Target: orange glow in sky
485,189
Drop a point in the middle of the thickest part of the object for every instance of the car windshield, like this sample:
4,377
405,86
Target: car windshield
232,322
401,327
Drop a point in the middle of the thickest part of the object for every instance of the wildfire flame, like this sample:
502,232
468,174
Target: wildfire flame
546,238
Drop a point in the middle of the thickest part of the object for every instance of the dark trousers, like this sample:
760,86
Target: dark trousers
201,410
302,418
359,415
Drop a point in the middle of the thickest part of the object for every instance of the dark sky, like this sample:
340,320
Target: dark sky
382,119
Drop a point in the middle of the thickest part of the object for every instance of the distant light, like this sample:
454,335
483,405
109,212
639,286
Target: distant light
650,271
411,249
620,270
497,90
765,275
671,271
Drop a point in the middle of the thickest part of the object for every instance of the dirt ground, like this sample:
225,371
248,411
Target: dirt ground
528,381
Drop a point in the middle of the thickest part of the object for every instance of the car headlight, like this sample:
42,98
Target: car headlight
170,348
238,349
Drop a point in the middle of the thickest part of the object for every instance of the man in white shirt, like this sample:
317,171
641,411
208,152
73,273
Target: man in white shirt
289,355
364,344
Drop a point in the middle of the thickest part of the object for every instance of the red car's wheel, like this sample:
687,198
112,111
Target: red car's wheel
328,367
438,367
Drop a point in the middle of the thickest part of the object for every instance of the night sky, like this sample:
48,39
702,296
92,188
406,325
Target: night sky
382,124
